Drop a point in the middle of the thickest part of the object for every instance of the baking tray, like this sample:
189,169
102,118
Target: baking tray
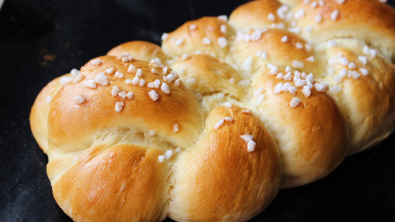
40,40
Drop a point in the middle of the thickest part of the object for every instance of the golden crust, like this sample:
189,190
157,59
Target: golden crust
121,183
98,113
291,3
139,50
254,14
370,20
40,110
312,137
192,39
367,101
210,74
213,177
218,180
278,53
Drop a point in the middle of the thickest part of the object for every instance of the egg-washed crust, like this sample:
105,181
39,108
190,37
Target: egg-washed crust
209,126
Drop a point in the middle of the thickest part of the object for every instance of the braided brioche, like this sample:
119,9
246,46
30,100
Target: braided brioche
212,124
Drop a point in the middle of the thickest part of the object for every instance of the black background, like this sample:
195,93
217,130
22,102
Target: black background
40,40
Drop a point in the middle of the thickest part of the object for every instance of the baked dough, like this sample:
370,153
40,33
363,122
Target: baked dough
209,126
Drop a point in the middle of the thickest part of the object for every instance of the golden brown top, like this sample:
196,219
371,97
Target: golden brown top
99,112
206,75
206,35
211,124
140,50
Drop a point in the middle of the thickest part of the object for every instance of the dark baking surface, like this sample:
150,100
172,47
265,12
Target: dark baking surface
40,40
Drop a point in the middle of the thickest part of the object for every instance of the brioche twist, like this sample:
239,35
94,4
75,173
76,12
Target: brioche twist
212,124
